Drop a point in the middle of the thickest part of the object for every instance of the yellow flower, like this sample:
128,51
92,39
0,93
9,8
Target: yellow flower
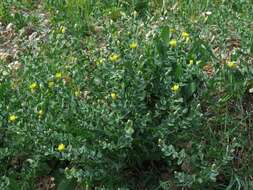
61,147
50,84
185,35
173,43
135,13
12,118
133,45
77,93
62,29
191,62
114,57
33,86
113,95
231,64
175,88
58,75
99,61
40,113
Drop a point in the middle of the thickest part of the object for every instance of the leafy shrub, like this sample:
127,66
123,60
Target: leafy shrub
138,103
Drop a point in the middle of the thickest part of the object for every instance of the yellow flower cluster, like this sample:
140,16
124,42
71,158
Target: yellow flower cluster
12,118
133,45
58,75
114,57
231,64
50,84
175,88
114,96
62,29
33,86
61,147
99,61
173,43
186,36
40,113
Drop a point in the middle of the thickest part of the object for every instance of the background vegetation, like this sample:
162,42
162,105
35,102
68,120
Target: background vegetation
126,94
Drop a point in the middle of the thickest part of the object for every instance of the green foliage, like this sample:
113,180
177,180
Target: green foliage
4,13
130,95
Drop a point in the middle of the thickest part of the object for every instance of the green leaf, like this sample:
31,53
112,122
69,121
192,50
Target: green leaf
66,184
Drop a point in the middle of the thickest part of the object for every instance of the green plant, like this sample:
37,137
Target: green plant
131,95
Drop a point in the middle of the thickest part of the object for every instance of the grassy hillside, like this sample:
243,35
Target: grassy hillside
126,94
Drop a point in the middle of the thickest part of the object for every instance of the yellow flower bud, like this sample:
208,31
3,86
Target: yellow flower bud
33,86
113,95
173,43
77,93
40,113
50,84
61,147
114,57
190,62
231,64
12,118
133,45
58,75
175,88
62,29
185,35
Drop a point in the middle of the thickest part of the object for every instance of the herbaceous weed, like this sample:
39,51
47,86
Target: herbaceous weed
126,94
